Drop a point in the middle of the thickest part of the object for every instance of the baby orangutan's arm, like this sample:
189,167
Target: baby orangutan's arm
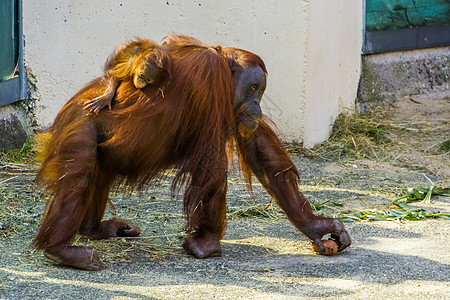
96,104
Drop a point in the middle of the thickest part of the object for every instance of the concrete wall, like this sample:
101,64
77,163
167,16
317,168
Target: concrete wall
311,48
333,59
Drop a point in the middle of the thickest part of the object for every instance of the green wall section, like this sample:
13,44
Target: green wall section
396,14
8,38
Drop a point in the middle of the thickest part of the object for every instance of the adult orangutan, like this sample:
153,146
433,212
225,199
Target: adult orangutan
210,102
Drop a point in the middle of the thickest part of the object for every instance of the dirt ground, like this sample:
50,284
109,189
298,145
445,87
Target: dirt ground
264,257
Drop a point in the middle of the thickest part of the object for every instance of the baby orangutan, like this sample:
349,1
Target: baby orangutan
142,61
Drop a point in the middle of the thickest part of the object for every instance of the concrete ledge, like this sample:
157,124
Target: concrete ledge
14,128
390,76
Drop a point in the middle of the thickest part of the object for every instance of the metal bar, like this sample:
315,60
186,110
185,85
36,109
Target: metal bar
23,93
406,39
9,91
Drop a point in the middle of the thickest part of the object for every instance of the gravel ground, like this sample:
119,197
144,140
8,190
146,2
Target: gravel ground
264,257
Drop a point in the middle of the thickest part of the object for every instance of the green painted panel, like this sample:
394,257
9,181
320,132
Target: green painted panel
395,14
8,38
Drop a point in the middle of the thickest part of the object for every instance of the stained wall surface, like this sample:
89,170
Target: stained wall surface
311,49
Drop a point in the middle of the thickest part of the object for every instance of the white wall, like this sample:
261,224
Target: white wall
333,58
310,49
